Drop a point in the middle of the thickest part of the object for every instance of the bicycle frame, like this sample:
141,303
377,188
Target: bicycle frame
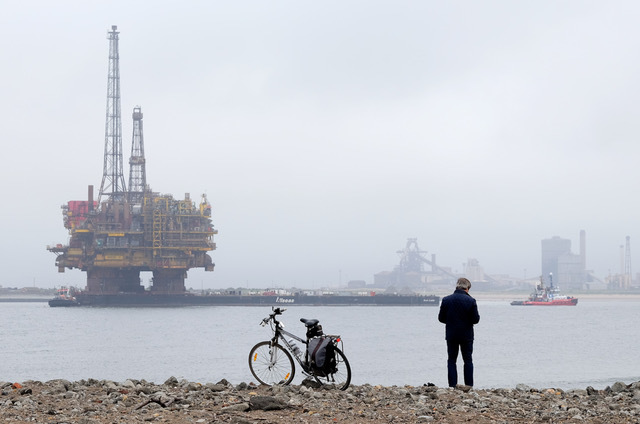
279,334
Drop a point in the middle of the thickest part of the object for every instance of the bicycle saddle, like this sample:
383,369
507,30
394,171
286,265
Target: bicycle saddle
309,322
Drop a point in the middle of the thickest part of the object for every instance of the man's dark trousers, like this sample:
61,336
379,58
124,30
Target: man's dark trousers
466,348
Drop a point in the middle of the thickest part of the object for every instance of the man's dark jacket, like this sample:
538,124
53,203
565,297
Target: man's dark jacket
459,311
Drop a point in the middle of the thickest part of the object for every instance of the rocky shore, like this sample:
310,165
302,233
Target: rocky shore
181,402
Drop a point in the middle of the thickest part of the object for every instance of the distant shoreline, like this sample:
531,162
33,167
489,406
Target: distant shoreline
482,296
17,299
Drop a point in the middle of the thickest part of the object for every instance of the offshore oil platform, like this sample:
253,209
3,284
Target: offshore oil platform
130,228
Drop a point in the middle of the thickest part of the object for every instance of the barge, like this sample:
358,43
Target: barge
190,299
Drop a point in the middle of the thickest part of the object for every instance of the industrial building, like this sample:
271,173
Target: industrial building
623,280
410,271
130,228
563,268
415,271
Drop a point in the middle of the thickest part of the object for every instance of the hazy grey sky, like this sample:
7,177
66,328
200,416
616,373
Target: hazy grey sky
327,133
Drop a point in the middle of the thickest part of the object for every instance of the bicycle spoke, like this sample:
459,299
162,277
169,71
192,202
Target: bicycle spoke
271,364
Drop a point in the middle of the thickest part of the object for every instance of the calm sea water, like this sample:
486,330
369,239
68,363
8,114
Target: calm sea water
594,343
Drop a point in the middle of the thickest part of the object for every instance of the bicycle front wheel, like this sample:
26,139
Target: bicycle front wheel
342,377
271,364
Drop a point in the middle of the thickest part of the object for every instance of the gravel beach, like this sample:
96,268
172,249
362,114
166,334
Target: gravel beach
138,401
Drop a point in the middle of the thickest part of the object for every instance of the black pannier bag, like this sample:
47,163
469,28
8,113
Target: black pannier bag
321,356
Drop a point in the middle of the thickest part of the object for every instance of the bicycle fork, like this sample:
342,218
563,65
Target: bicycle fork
273,354
273,358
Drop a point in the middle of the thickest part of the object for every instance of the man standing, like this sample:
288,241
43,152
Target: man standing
459,311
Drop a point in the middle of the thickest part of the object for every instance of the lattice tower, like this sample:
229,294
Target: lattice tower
137,171
112,174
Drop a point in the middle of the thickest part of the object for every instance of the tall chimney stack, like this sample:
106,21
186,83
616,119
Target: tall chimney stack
90,195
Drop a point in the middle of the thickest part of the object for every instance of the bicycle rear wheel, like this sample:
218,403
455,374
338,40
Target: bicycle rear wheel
271,364
342,377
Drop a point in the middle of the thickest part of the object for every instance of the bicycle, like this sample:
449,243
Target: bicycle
271,361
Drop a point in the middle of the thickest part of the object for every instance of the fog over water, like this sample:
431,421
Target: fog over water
326,134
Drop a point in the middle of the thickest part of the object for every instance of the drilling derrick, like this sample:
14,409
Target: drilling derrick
127,232
137,172
112,172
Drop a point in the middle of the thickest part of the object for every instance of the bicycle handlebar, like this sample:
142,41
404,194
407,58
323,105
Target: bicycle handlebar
272,316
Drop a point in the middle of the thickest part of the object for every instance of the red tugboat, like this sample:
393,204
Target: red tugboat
547,296
64,297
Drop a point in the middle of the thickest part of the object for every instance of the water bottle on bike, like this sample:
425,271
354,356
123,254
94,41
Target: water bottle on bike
294,347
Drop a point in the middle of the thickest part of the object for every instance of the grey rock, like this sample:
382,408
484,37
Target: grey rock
145,389
171,381
618,387
216,387
192,387
240,420
85,420
311,383
523,388
129,384
66,384
238,407
577,393
111,386
295,401
464,388
460,408
266,403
